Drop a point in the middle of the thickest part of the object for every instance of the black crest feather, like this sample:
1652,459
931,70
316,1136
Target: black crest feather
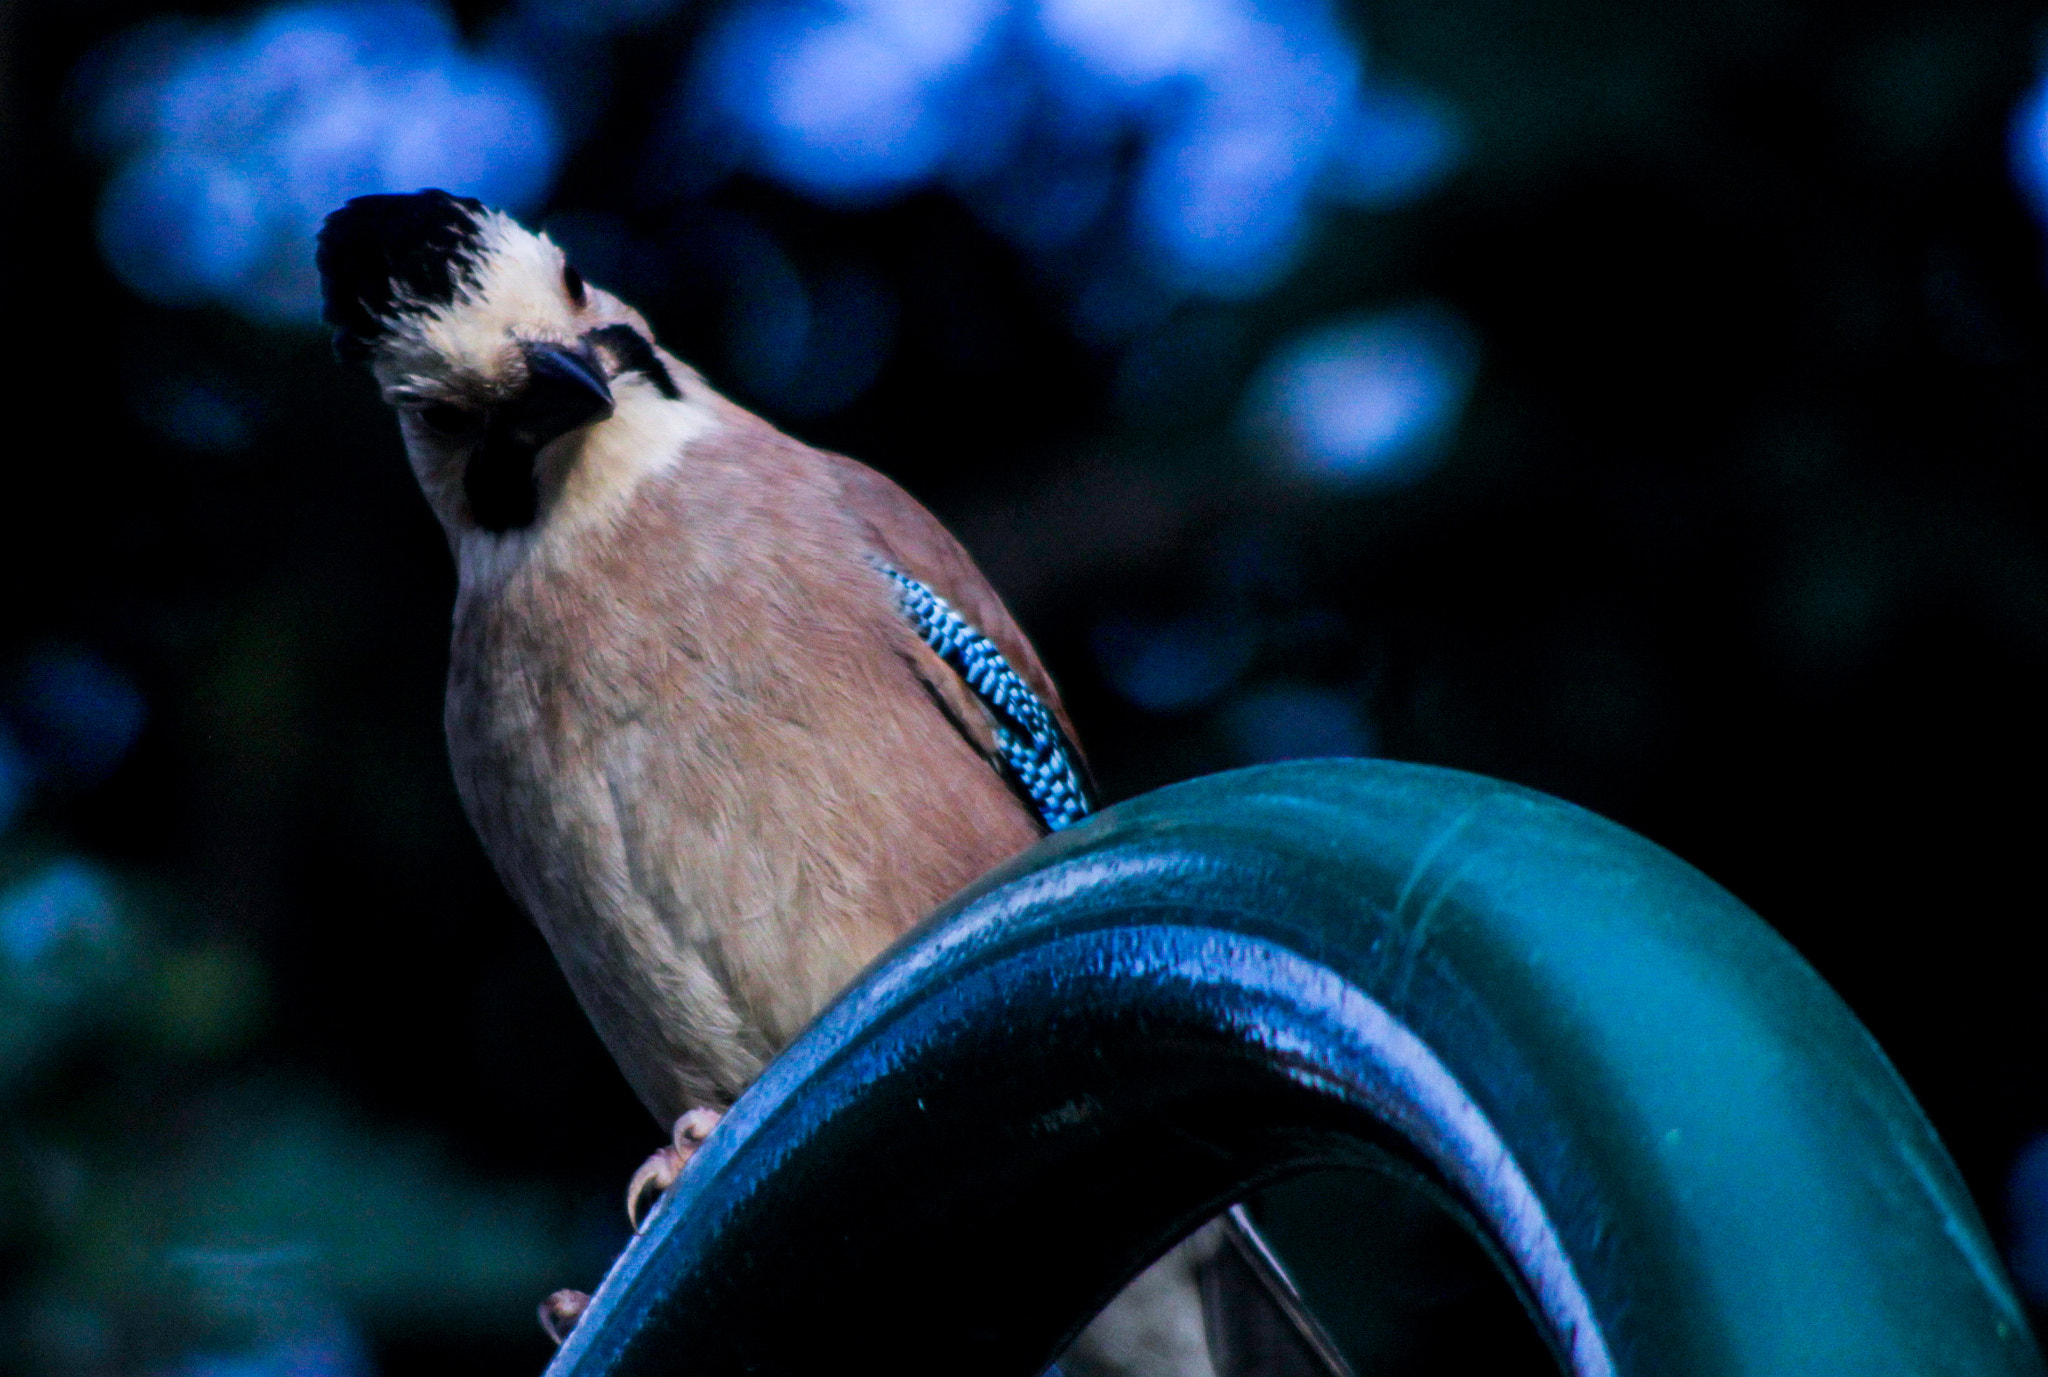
380,255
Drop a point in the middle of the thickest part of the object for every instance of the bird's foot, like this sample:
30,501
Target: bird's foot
559,1313
660,1171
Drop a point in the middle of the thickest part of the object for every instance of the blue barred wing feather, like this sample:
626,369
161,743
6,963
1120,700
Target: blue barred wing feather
1030,747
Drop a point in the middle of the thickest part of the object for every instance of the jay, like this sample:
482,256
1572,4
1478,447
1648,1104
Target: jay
728,713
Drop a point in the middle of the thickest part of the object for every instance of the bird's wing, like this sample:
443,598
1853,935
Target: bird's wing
1025,742
968,650
985,675
911,539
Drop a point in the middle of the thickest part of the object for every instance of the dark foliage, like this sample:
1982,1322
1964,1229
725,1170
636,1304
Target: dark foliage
1743,542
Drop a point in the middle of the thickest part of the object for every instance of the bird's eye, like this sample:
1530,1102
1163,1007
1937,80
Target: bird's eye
572,283
449,421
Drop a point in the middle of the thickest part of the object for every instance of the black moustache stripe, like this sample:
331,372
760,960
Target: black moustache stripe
499,482
636,355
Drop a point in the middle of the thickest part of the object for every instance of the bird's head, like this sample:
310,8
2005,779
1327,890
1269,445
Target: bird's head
497,356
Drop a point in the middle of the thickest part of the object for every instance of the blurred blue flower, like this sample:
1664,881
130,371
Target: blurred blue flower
1251,106
2029,147
854,99
1392,147
67,902
63,948
78,715
234,139
1371,398
1204,129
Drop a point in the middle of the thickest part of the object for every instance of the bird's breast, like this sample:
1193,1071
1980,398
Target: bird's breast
717,805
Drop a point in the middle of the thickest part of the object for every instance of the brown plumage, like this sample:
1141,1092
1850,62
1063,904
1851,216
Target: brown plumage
708,753
701,742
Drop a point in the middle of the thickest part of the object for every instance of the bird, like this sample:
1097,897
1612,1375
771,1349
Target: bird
728,713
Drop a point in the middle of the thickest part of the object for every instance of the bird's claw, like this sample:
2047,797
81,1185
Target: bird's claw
660,1171
655,1176
559,1313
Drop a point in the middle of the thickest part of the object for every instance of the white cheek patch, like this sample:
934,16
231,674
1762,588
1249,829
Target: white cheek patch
605,465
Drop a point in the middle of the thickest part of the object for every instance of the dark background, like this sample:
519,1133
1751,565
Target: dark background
1738,539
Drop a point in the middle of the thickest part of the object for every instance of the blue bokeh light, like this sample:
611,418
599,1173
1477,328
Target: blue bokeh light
1142,149
77,715
1369,399
1173,664
297,1331
234,139
854,100
1202,131
1392,147
67,902
2029,148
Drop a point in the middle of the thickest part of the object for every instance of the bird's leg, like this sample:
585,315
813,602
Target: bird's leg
660,1171
559,1313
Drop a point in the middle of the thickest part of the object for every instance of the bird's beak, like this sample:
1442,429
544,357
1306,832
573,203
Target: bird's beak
564,390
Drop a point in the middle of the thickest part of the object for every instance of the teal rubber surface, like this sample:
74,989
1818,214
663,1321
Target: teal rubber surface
1686,1151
